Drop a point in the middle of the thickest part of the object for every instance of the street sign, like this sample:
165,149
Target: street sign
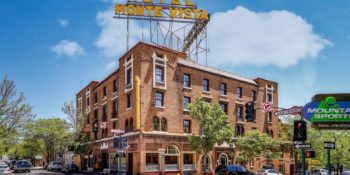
293,110
117,131
301,145
329,145
266,107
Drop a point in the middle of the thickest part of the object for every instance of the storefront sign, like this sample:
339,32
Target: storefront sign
174,8
328,110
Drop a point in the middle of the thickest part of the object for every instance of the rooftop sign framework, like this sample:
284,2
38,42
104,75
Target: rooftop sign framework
188,35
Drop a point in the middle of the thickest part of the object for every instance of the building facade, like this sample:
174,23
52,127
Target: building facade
147,97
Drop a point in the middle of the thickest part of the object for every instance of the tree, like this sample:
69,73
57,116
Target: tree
50,135
14,113
255,144
339,156
214,125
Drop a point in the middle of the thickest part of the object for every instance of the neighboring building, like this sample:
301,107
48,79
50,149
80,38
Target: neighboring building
169,81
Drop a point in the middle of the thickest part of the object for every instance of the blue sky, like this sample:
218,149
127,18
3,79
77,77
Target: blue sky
52,49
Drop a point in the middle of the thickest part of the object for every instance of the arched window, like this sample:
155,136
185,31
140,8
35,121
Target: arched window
206,163
164,124
126,125
171,157
131,125
155,123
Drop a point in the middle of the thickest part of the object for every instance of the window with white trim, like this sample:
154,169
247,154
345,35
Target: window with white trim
159,70
159,99
129,73
187,101
269,94
187,80
129,101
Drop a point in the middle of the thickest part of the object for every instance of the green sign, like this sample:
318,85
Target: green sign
328,110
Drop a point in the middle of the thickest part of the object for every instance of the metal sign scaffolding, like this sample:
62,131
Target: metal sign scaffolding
175,32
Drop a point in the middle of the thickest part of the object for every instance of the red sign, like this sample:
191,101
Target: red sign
294,110
267,107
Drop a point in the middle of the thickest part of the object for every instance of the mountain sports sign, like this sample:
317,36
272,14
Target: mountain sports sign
328,113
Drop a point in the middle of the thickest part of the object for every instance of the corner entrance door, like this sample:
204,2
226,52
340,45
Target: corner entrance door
130,164
104,160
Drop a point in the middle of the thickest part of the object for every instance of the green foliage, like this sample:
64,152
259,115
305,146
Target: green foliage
47,136
214,124
340,155
255,144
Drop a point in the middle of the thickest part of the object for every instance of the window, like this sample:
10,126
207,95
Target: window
129,101
224,107
131,125
171,157
187,101
115,109
223,88
164,124
104,113
159,70
95,135
269,117
115,125
126,127
281,168
187,126
129,78
239,93
188,159
187,80
206,163
129,73
96,97
115,86
155,123
159,74
239,113
104,92
206,85
269,92
269,97
253,95
159,99
87,101
239,131
152,159
104,133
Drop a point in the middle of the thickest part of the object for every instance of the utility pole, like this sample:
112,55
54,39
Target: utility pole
329,161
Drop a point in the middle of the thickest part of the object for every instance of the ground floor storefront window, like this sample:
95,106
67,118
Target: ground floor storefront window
188,161
152,162
171,158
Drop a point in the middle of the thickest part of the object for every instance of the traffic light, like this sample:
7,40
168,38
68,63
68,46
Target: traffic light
249,112
299,130
310,154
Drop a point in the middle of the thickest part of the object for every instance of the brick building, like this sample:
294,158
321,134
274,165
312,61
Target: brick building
157,137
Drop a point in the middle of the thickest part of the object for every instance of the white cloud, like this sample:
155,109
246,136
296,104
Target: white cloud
112,65
279,38
67,48
63,22
112,39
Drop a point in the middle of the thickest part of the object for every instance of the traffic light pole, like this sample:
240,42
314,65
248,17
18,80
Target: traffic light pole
329,161
303,161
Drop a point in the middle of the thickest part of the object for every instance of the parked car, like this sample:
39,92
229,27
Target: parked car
267,172
268,167
4,168
319,172
232,170
70,168
345,173
22,166
55,166
299,172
